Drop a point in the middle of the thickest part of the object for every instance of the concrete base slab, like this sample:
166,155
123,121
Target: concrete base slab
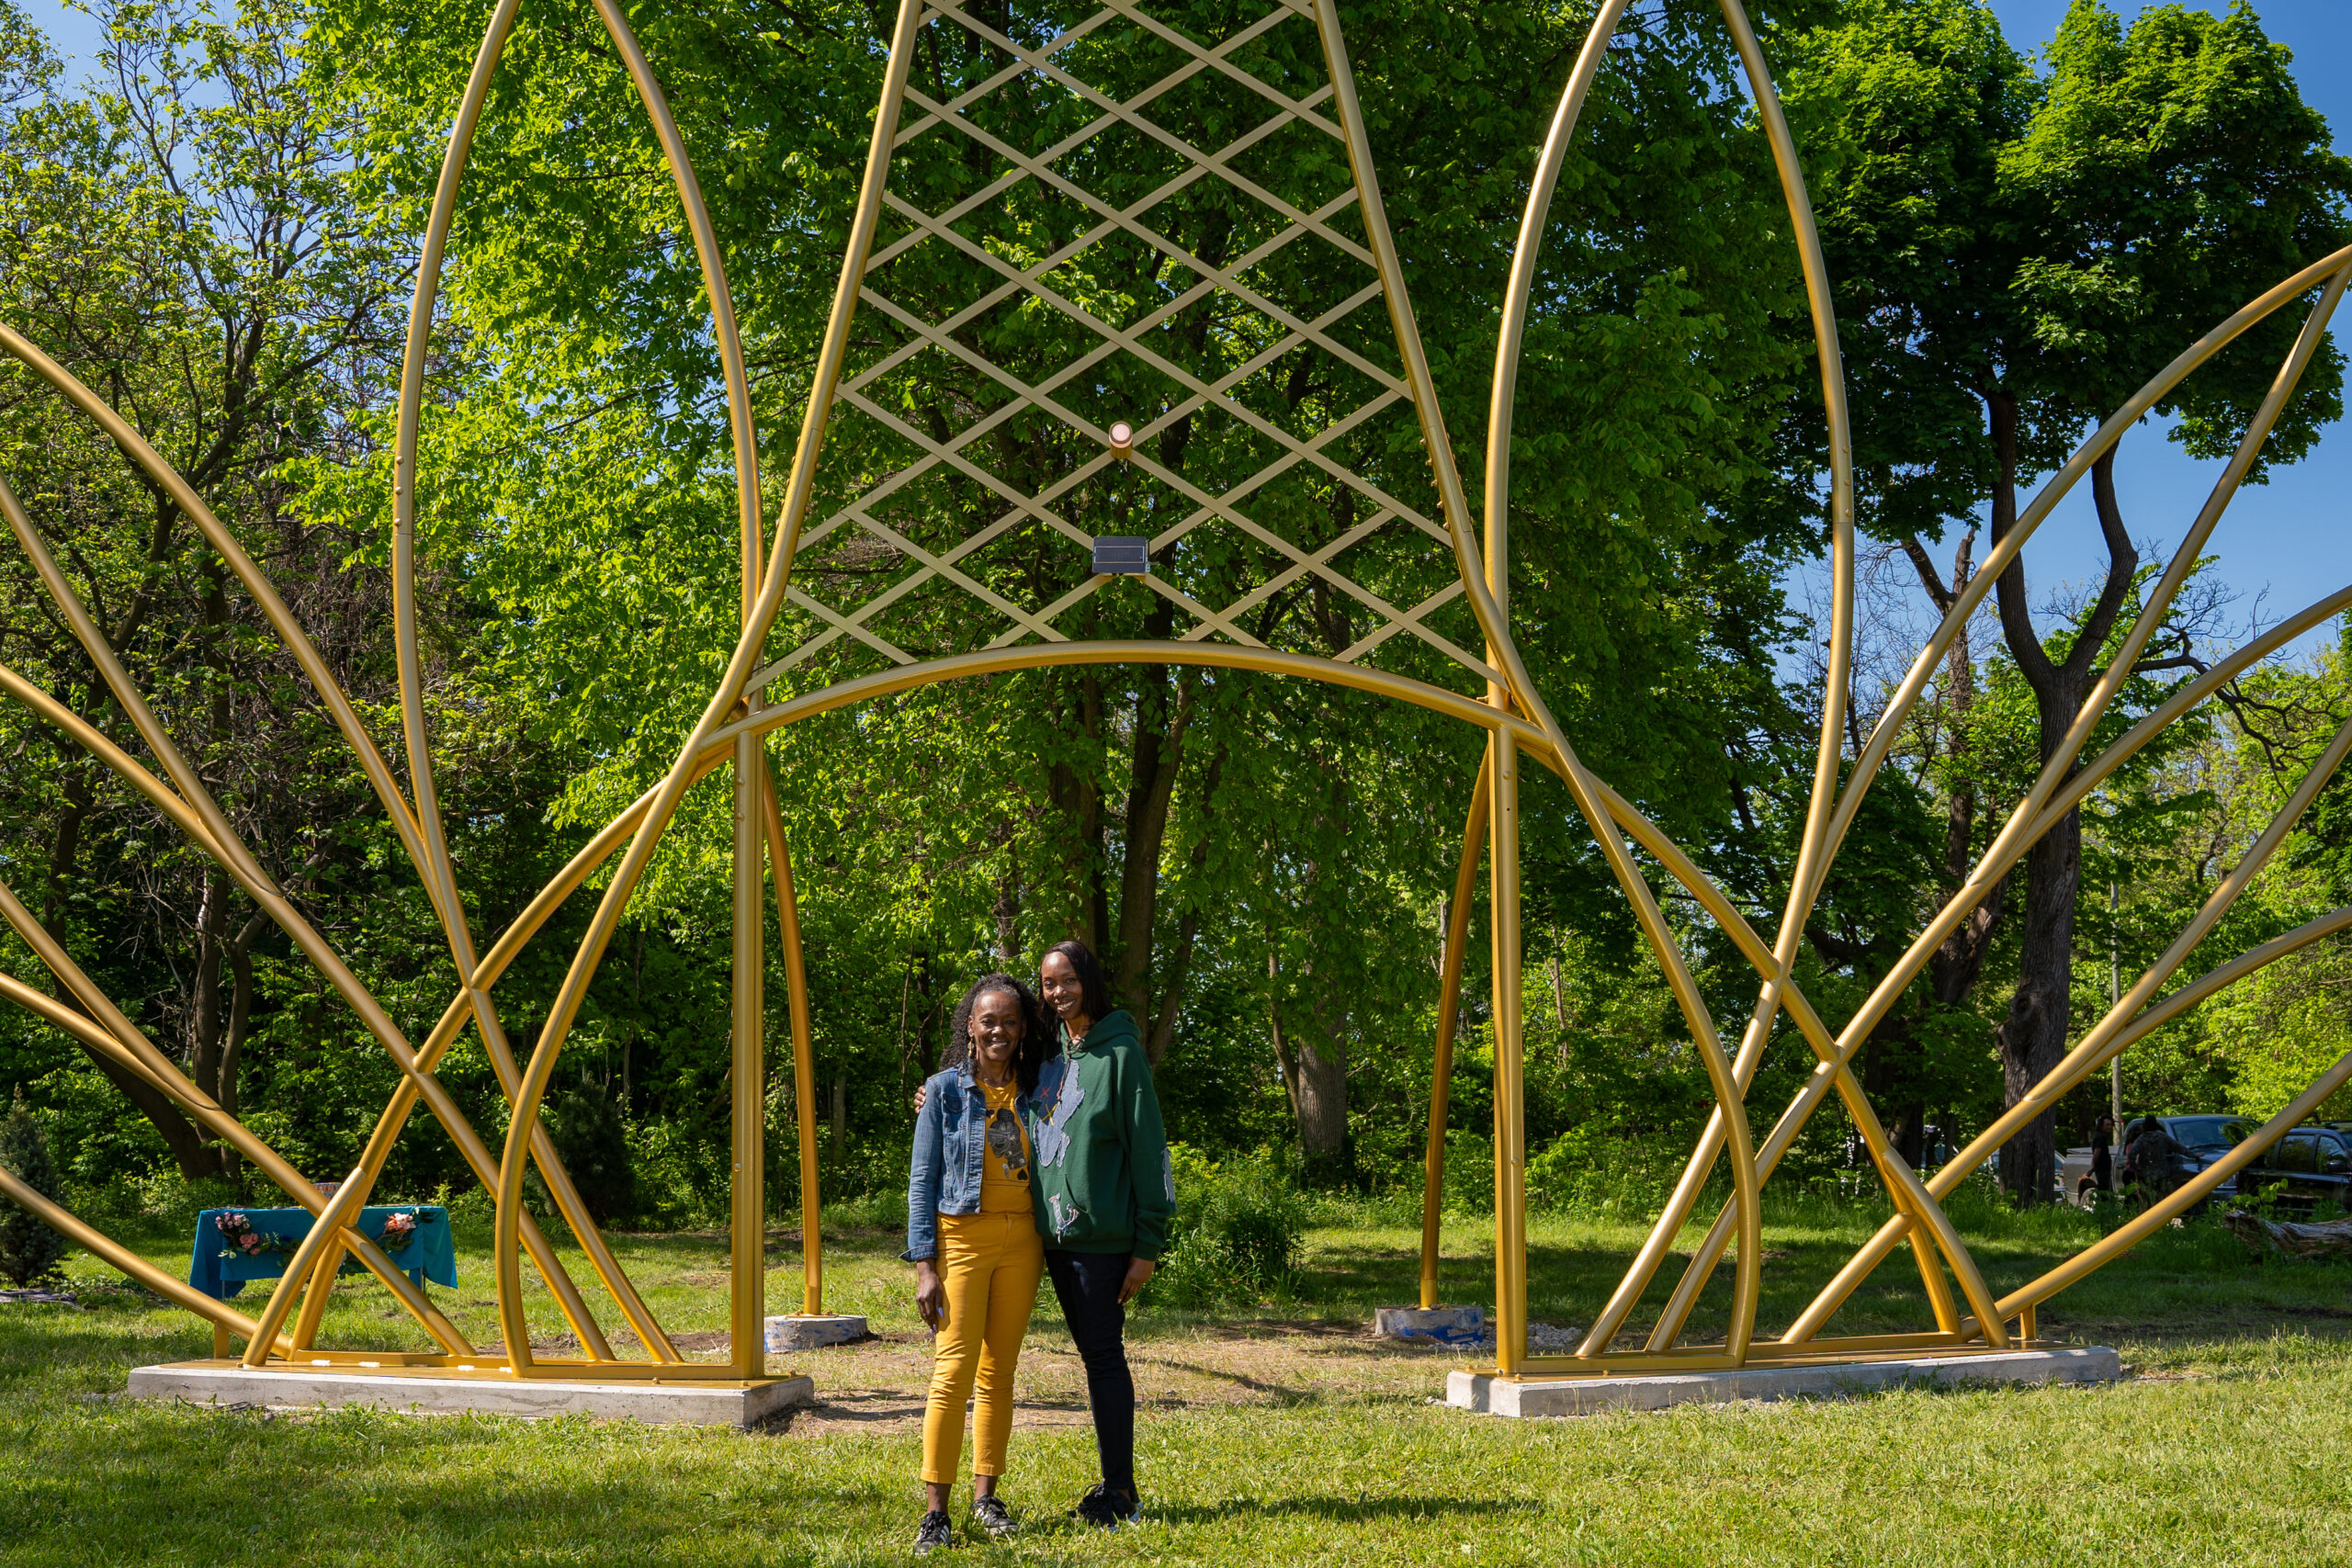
1462,1326
802,1332
434,1391
1824,1380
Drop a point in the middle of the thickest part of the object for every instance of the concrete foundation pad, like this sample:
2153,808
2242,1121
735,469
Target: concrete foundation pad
802,1332
434,1391
1540,1395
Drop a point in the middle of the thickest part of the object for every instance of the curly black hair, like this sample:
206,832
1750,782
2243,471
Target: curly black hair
1037,1034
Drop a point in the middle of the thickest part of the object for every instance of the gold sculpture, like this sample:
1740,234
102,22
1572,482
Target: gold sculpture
1440,566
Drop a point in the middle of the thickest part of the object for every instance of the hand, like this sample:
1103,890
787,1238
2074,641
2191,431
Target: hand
1140,1273
930,1294
923,1092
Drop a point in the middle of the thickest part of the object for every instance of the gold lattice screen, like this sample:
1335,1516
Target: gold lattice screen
1122,289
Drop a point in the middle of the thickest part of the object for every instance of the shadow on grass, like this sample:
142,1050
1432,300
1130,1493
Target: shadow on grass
1340,1510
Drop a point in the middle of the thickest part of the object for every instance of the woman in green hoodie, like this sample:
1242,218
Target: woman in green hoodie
1105,1194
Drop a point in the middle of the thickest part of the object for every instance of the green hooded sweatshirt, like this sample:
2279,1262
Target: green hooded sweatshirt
1103,1183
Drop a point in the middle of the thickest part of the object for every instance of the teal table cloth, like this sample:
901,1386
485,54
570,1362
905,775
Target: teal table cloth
220,1269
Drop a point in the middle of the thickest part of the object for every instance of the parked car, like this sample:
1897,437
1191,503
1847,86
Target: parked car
2202,1140
2309,1165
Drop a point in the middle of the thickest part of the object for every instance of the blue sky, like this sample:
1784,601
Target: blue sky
2282,545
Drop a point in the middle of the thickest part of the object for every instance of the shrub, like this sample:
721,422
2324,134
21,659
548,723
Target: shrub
29,1251
1590,1172
1239,1229
592,1139
1469,1187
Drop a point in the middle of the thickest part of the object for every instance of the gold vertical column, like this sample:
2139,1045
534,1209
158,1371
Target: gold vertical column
1449,1014
747,1293
1510,1110
804,1062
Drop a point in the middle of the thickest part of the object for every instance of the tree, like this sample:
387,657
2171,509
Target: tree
180,237
570,448
2013,257
29,1251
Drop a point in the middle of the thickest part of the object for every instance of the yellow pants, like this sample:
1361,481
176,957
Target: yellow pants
991,1264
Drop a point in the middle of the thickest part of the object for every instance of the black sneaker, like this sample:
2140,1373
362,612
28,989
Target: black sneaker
993,1516
933,1533
1106,1509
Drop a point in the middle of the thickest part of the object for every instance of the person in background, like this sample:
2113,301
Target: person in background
1105,1192
2149,1158
972,1236
2103,1155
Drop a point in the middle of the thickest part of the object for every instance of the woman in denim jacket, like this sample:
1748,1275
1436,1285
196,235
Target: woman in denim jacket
972,1236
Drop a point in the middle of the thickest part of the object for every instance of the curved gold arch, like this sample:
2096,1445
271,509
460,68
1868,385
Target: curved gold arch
730,730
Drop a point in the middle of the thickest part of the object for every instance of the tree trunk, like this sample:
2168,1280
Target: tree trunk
1007,912
1316,1077
2034,1037
182,1137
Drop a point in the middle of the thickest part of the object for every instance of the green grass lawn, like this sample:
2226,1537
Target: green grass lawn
1280,1435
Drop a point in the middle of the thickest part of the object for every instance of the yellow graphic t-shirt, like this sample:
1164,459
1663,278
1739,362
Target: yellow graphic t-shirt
1005,1168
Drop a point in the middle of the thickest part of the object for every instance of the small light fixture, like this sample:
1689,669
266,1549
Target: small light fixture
1119,556
1123,441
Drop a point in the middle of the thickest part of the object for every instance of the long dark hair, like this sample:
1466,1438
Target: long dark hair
1094,993
1037,1036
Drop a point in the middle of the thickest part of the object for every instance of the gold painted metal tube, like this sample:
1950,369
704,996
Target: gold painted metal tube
2084,780
110,1032
1492,624
2030,820
747,1216
1906,695
1814,846
804,1063
1902,1184
434,863
219,838
616,898
113,1253
2016,836
1510,1100
2084,1058
191,808
2183,1198
1449,1012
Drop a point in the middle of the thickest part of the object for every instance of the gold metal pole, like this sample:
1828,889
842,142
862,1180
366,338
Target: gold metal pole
2183,1198
1510,1101
574,987
2032,819
106,1030
804,1063
2087,779
1897,711
222,1316
1504,652
1449,1011
747,1262
2089,1055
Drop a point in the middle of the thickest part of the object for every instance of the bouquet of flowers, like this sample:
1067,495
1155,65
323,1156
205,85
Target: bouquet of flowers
399,1229
244,1241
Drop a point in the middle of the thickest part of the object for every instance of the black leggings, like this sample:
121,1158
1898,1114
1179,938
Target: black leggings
1087,1284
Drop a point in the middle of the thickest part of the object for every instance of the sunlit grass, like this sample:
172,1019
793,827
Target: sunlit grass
2232,1449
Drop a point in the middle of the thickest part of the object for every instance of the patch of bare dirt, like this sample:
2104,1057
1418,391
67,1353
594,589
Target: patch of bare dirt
882,1385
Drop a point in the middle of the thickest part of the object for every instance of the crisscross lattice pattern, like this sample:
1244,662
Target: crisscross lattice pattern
1069,254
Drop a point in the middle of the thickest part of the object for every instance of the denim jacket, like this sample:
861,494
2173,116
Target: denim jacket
951,1139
